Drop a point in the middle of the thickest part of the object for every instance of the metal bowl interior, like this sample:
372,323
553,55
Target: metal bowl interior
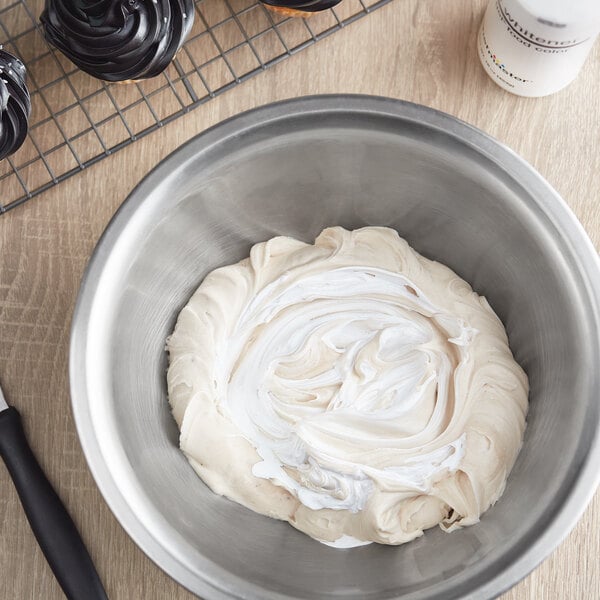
294,168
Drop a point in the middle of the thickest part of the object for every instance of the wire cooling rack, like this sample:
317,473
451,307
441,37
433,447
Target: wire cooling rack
77,120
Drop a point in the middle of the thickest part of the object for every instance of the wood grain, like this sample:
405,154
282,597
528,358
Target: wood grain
418,50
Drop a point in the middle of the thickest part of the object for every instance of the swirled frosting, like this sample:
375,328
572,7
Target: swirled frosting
351,387
118,40
15,104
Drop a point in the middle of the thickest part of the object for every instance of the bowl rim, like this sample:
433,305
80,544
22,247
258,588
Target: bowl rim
212,584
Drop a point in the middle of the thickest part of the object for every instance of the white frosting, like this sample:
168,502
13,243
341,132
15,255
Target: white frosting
351,387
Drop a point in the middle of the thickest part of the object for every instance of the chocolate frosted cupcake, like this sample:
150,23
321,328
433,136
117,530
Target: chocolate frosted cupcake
15,104
299,8
118,40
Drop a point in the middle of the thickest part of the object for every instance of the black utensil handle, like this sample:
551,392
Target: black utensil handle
53,527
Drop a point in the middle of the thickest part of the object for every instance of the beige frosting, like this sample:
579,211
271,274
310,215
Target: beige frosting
352,387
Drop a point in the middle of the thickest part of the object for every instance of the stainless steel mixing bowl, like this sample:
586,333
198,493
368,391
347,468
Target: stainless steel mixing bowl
293,168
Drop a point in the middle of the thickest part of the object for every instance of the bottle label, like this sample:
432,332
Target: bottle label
530,39
495,65
528,54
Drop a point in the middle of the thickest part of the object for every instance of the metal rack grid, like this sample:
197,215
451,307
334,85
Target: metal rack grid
77,120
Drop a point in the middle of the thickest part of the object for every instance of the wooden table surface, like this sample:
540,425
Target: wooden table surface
418,50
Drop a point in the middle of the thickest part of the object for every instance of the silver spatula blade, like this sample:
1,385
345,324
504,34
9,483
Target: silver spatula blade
3,405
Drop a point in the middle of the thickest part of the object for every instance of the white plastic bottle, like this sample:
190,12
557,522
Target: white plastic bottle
537,47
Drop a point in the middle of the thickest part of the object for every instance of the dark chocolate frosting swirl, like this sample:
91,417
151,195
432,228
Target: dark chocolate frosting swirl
15,104
117,40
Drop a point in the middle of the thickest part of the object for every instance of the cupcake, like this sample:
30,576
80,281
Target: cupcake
118,40
15,104
299,8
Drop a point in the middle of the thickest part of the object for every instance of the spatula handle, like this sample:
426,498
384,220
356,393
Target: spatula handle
53,527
